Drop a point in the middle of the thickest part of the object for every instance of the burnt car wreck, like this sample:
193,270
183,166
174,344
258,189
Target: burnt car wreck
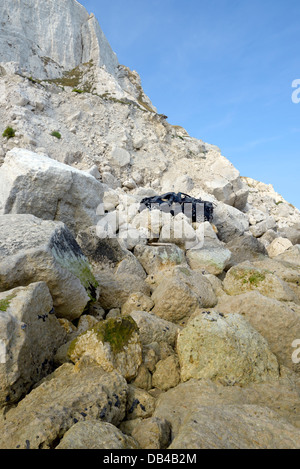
197,210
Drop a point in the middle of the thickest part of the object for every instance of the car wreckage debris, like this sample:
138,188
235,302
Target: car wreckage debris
197,210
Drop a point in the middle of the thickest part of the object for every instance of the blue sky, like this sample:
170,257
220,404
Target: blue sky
222,69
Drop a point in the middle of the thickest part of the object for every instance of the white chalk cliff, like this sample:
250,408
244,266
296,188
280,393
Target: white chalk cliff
47,37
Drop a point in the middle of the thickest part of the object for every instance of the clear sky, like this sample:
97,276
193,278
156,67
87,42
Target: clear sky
223,70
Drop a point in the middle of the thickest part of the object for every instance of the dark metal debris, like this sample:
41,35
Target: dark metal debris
195,209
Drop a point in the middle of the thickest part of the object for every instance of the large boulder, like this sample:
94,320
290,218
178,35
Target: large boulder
69,395
276,321
38,185
291,255
235,427
31,334
179,403
34,250
291,232
247,277
224,349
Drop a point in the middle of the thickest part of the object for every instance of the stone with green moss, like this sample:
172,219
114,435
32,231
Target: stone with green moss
114,344
4,303
246,277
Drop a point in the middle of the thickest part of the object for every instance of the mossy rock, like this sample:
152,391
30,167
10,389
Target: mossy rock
117,332
4,304
246,277
114,344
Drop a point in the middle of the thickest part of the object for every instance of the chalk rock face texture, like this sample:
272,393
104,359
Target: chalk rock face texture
31,334
235,427
81,38
227,350
71,394
202,409
34,250
41,186
114,344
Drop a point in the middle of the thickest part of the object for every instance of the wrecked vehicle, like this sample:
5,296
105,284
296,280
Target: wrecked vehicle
197,210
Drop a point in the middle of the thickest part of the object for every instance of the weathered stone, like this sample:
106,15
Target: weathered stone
166,374
39,53
278,246
85,322
245,248
212,260
152,433
113,344
287,271
260,228
267,238
180,293
34,250
246,277
30,334
177,404
143,379
139,404
224,349
96,435
235,427
50,190
292,255
155,329
137,302
276,321
120,157
155,258
117,288
230,222
131,266
71,394
291,232
102,253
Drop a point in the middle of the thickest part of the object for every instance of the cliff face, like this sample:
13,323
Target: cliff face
45,38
